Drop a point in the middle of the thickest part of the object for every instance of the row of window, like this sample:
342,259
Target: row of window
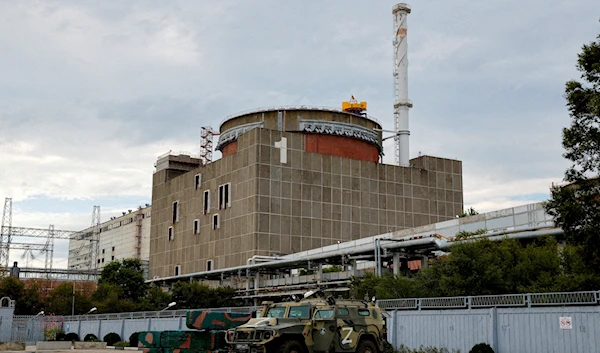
216,224
123,222
224,200
112,258
209,267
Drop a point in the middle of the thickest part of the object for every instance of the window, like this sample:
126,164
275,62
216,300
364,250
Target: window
343,312
209,265
363,312
324,314
112,258
102,260
98,260
177,270
175,212
224,196
103,250
197,181
216,221
171,233
206,201
299,312
196,226
276,312
113,249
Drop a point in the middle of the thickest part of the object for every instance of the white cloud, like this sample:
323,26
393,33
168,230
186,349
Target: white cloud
92,93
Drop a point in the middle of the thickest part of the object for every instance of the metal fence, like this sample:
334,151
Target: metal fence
542,329
141,314
493,301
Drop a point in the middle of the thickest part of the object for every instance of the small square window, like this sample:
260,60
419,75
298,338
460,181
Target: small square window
113,249
177,271
196,227
171,233
103,250
197,181
206,201
102,260
216,221
98,260
209,264
175,212
112,258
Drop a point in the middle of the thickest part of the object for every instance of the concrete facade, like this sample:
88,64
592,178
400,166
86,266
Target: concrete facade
285,200
124,237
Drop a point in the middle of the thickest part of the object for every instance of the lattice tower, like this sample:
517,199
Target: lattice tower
6,232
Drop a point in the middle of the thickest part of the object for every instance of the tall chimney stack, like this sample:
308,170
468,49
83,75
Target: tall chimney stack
401,103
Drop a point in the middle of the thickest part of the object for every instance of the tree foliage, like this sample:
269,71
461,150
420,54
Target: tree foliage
484,267
198,295
576,207
127,275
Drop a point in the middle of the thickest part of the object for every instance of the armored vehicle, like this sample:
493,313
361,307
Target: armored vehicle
312,324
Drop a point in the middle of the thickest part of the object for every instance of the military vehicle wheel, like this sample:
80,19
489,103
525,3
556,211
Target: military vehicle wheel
292,347
367,346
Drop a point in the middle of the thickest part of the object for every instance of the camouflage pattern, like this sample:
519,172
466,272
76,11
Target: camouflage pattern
312,325
149,339
152,350
178,350
207,320
192,340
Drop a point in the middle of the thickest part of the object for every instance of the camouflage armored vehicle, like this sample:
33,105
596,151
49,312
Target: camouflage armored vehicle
312,325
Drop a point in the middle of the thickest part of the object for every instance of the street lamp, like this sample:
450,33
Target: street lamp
170,305
91,310
40,313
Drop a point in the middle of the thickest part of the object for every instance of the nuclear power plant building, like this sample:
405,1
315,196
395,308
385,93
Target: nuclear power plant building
290,180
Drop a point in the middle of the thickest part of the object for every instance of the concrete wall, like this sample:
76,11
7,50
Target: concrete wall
507,330
281,206
123,328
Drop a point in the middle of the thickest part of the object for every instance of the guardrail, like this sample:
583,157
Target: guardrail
133,315
491,301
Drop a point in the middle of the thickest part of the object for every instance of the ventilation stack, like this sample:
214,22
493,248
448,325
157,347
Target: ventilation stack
401,104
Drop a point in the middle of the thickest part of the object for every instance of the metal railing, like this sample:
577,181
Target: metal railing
136,314
491,301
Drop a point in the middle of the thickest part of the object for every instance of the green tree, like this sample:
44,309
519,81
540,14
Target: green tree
60,301
196,295
108,298
32,299
156,299
576,207
127,275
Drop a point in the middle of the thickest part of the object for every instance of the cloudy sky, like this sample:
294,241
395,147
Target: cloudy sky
92,92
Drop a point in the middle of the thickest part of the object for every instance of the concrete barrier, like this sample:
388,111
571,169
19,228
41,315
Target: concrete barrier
52,345
12,346
89,345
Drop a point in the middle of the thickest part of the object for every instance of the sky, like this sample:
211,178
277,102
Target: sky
92,92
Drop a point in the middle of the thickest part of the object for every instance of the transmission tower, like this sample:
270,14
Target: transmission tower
49,250
6,232
95,241
206,144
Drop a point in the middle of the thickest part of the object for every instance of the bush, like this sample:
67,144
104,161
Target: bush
481,348
134,339
60,336
71,336
122,344
112,338
90,337
404,349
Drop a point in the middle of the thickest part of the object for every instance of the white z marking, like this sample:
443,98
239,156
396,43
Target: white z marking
347,339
